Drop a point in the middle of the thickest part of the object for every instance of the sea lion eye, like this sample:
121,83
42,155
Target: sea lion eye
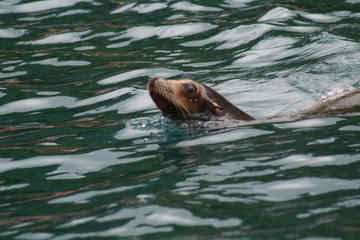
190,89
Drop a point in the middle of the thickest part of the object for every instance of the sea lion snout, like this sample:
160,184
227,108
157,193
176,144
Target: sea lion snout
152,81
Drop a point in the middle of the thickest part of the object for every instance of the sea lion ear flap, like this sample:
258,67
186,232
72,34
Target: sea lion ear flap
217,109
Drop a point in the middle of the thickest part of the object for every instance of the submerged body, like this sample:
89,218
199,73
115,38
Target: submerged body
186,99
344,103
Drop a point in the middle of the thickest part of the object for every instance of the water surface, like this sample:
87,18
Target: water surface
85,154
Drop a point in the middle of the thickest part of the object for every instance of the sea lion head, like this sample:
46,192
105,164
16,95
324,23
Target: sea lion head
183,98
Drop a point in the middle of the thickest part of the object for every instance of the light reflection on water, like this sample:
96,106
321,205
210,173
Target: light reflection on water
84,153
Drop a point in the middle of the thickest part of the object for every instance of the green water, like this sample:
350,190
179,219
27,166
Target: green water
85,154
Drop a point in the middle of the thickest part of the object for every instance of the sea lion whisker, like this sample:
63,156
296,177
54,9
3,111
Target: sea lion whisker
169,95
181,106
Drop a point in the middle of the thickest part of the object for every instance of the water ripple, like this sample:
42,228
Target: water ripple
153,72
233,37
152,219
187,6
176,30
285,190
69,37
37,6
55,62
12,33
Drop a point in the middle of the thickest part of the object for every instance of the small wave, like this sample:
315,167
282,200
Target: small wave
335,92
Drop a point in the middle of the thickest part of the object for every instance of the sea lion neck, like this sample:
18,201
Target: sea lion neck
230,110
187,99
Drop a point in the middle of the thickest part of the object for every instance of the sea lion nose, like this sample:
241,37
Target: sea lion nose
152,81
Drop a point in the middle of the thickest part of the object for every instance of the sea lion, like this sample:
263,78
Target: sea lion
186,99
